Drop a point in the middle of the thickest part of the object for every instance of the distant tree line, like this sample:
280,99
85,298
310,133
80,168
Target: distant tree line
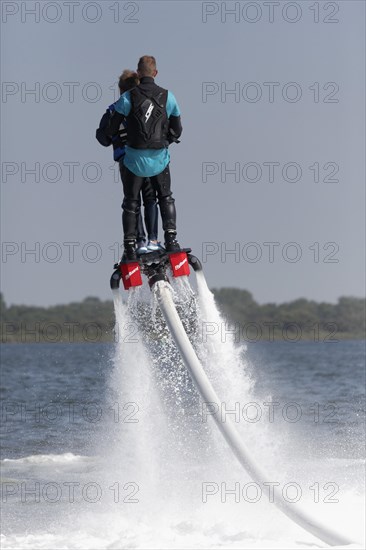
92,320
292,321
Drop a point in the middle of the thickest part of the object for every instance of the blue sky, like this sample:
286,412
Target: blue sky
278,180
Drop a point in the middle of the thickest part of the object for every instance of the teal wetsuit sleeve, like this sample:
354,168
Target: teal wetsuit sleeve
123,105
172,107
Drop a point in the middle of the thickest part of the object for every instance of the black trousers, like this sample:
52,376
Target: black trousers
150,210
132,186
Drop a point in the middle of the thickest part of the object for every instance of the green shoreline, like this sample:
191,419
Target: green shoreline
92,320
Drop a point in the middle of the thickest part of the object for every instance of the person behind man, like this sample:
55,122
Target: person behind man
153,122
128,80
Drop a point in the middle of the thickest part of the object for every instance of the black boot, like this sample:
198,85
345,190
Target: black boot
171,243
130,251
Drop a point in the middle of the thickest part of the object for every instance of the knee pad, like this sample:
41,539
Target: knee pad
131,206
166,201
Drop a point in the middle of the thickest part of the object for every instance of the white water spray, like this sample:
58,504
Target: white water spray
223,365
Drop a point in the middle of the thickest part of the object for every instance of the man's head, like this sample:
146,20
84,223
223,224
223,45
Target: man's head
147,66
127,80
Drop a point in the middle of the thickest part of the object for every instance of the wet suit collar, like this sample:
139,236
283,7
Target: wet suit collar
146,79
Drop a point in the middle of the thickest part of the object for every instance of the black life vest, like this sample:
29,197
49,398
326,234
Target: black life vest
147,122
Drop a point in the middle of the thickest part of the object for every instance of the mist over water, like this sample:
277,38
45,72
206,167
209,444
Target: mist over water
156,450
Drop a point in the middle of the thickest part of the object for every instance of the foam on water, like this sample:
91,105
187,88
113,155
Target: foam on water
44,459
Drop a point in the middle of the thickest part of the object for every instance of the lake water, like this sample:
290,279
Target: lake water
109,446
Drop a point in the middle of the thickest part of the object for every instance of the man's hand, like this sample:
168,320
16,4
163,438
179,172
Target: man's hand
175,129
172,138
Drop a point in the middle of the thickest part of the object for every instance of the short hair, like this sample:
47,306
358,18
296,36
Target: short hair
127,80
146,65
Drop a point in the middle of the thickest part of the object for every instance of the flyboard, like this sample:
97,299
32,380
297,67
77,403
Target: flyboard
155,266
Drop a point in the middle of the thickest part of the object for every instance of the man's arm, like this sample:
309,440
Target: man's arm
101,133
175,124
115,121
175,129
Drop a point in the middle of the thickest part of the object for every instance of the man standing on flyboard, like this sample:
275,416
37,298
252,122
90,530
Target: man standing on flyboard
153,122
